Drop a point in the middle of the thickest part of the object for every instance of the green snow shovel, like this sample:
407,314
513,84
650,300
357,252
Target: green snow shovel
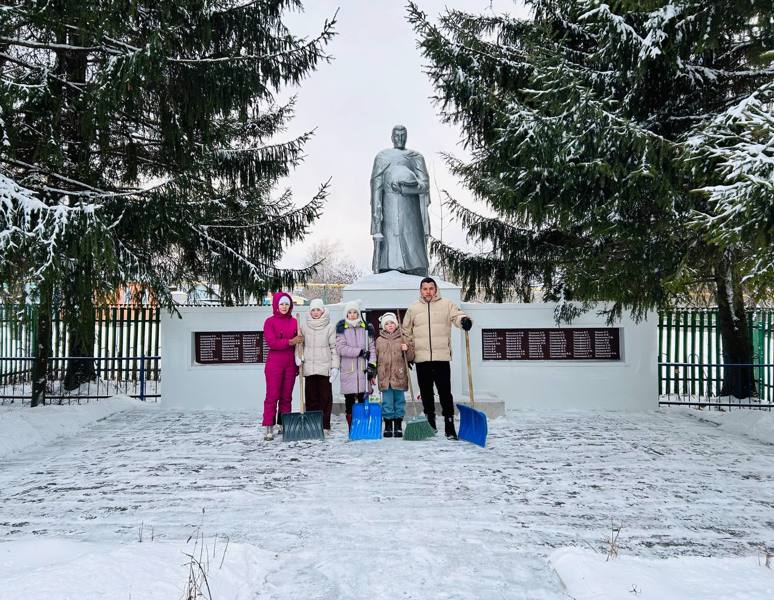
302,425
417,427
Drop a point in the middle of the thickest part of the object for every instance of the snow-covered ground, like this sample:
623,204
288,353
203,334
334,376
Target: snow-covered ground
590,576
59,569
755,424
23,427
522,518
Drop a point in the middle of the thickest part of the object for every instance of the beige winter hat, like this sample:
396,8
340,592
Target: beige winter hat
388,317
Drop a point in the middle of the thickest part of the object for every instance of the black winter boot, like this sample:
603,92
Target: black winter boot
431,420
398,427
388,428
448,423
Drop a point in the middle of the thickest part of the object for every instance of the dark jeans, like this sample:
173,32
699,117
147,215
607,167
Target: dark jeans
319,396
436,372
349,401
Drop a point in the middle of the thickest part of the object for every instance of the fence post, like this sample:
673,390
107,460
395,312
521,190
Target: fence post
769,358
694,355
142,377
669,353
660,352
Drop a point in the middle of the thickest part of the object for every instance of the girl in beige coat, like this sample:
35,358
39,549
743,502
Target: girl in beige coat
393,376
320,359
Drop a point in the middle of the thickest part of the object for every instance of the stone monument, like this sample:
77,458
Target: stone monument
400,223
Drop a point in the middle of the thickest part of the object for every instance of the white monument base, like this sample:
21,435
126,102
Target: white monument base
393,289
499,385
490,406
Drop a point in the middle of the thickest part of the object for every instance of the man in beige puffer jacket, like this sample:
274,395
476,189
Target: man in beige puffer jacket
428,325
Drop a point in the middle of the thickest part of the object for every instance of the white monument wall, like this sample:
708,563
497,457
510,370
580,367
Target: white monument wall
628,384
187,384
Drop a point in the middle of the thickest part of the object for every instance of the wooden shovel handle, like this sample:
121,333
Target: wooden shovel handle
301,371
408,373
411,385
470,370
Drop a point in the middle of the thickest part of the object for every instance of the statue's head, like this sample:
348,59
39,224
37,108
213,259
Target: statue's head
399,135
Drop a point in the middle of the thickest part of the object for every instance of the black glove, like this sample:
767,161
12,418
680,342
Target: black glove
466,323
371,371
365,354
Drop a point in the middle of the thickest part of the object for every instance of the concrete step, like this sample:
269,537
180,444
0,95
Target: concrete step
489,405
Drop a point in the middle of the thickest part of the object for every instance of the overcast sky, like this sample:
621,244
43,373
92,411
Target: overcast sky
375,81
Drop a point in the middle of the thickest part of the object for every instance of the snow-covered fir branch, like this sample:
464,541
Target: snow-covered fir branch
137,132
740,144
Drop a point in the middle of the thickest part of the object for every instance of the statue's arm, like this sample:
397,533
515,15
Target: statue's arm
376,196
423,178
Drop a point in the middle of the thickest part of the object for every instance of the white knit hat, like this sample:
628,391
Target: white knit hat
387,317
352,305
316,303
284,299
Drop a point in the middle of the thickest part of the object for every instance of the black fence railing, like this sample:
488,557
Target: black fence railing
144,382
122,333
689,342
697,384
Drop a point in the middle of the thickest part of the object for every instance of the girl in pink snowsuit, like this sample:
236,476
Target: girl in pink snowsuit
281,334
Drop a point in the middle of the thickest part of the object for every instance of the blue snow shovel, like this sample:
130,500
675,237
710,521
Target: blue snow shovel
366,416
366,421
473,427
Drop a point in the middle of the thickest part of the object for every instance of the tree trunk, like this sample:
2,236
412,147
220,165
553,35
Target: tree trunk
79,294
81,344
42,347
738,374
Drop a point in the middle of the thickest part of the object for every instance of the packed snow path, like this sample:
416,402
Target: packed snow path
434,519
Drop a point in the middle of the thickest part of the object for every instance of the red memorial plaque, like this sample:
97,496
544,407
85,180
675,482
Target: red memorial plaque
581,343
229,347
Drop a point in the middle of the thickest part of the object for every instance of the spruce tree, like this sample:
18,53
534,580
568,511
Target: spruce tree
735,153
147,135
583,125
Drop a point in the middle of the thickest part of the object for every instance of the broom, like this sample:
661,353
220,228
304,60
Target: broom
417,427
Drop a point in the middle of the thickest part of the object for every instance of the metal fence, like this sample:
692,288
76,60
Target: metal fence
16,388
122,334
691,368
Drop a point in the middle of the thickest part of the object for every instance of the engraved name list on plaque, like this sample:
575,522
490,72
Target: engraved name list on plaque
229,347
571,343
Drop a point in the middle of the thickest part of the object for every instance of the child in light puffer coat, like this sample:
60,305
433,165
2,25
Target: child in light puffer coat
393,376
357,356
320,359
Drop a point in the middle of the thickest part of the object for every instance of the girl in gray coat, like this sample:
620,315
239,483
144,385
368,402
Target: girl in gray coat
357,356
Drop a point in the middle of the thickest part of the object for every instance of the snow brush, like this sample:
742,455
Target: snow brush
417,427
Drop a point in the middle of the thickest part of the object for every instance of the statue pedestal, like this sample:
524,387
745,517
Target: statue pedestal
394,290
